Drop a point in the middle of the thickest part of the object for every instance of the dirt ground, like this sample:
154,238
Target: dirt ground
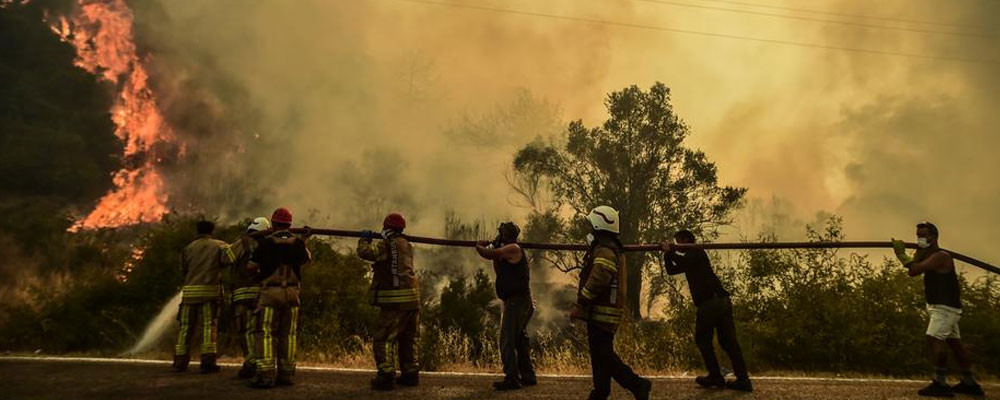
103,379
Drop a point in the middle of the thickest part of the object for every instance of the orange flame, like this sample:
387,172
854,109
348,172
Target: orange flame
101,31
129,266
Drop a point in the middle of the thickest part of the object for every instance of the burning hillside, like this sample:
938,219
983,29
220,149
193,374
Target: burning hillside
102,33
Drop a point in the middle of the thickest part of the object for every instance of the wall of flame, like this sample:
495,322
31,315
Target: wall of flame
102,33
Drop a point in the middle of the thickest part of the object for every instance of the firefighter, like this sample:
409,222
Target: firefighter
277,263
201,264
394,292
600,302
245,290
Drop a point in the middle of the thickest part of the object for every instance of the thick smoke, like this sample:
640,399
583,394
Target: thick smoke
345,110
884,141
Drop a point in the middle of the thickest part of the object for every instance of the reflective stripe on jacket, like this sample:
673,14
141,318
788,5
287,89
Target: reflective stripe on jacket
601,293
394,281
201,264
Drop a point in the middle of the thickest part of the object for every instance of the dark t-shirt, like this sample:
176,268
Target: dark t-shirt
940,288
702,281
512,279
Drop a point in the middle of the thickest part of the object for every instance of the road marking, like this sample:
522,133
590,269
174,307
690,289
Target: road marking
446,373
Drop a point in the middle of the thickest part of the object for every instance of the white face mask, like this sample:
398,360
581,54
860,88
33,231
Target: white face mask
590,238
923,243
386,233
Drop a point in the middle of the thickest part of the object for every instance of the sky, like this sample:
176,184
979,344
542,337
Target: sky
343,111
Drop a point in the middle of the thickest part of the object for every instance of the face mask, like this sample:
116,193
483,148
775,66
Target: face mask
923,243
386,233
590,238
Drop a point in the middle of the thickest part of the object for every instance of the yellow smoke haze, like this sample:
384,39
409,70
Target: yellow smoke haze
373,100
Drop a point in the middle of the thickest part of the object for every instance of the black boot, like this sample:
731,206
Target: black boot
742,385
408,379
181,363
383,381
711,381
507,384
248,370
972,389
641,392
262,382
208,365
936,389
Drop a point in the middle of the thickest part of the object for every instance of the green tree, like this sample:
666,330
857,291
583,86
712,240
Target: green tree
635,162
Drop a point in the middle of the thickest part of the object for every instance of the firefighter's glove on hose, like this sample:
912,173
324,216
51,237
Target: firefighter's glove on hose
368,234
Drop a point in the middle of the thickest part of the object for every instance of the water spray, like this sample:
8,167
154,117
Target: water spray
156,328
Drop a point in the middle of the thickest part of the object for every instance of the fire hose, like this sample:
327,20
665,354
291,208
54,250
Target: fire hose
656,247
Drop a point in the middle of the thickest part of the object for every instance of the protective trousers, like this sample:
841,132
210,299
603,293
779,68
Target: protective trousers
192,318
514,351
276,335
399,328
716,315
605,363
245,320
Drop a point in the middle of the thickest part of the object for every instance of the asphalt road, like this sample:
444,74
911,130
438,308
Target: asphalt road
98,379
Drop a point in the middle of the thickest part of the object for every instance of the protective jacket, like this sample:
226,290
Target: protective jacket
280,256
201,265
601,292
245,284
394,281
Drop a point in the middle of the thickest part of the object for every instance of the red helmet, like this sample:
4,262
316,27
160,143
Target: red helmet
394,221
281,216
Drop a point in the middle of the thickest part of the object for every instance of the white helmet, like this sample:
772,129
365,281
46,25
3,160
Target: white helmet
604,218
259,224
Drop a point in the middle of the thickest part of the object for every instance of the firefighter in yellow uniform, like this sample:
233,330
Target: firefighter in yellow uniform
394,291
245,290
201,264
277,262
600,302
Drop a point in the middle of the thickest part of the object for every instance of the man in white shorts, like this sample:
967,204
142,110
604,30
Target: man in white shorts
944,306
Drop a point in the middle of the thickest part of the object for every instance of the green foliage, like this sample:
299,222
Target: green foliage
335,313
635,162
465,309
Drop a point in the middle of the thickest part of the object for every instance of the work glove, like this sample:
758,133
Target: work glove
367,234
900,249
307,232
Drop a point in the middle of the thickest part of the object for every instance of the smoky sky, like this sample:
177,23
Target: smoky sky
343,111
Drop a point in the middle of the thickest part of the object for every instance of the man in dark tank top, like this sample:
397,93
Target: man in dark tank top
512,286
944,306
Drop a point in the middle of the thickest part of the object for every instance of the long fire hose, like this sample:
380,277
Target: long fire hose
656,247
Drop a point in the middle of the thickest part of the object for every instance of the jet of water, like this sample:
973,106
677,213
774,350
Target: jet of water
154,331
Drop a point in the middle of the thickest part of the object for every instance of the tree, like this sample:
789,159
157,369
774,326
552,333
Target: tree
635,162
